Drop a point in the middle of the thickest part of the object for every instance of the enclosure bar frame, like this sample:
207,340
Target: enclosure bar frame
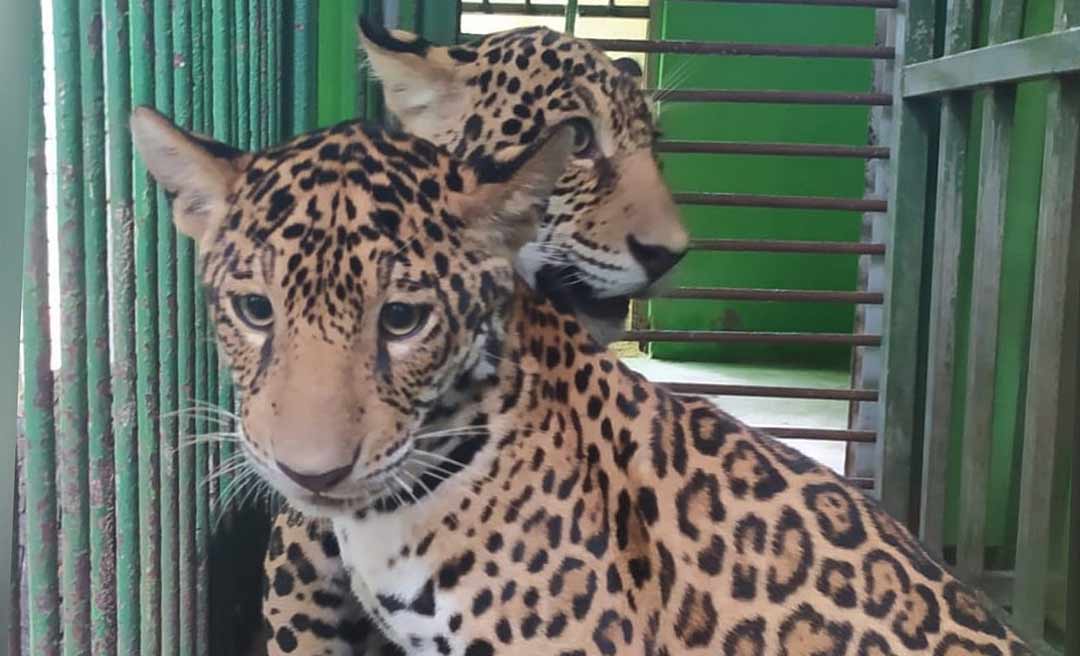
899,416
183,115
743,337
529,9
954,136
1006,24
788,246
772,96
72,434
1050,413
772,295
1056,53
733,49
872,4
42,535
304,37
124,371
101,470
723,199
142,88
780,149
772,391
200,72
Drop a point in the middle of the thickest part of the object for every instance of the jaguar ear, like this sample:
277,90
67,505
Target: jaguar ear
505,203
199,172
419,81
628,66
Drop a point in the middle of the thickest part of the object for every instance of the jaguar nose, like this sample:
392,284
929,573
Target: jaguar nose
656,260
317,483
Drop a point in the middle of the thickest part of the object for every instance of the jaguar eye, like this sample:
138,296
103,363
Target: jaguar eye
584,138
398,320
254,309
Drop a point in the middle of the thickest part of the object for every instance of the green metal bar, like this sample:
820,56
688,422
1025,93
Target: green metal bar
183,101
571,16
1050,414
249,101
200,39
142,88
167,345
955,128
72,434
302,60
273,66
42,528
243,44
1006,22
99,386
1035,57
125,406
899,421
223,131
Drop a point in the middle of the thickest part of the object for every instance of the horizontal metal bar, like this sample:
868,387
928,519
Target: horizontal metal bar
876,4
781,202
783,149
788,246
529,9
1045,55
772,96
733,48
744,49
822,434
791,295
773,391
737,336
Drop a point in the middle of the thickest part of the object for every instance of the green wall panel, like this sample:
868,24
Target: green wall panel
764,175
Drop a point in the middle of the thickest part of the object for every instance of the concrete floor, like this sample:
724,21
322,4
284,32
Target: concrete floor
803,413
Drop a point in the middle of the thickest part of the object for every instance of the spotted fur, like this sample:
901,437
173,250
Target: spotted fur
497,482
609,230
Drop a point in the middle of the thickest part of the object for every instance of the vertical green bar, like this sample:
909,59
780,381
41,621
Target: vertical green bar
243,45
900,419
167,391
42,530
183,102
142,89
264,24
223,130
274,65
118,80
571,16
302,60
99,387
247,102
200,117
74,479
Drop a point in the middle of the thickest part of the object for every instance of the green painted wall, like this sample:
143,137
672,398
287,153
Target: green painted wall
765,175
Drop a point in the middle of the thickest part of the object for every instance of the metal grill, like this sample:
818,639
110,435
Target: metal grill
654,47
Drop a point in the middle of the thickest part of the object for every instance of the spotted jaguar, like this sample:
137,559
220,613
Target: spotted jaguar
496,480
610,230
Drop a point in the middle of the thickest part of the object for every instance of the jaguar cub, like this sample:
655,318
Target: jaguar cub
497,481
609,230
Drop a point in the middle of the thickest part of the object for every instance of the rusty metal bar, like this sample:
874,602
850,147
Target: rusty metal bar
744,49
734,336
772,96
821,434
790,246
792,295
529,9
874,4
780,202
782,149
772,391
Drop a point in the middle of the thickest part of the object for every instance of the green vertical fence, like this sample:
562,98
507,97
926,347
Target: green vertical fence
985,287
120,535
